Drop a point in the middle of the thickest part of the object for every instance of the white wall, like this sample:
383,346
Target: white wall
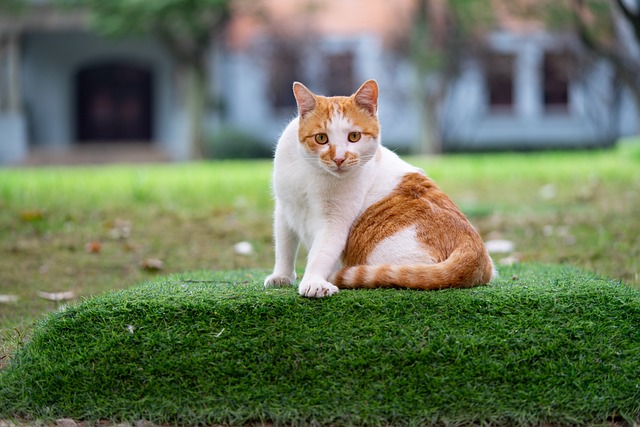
50,62
468,122
13,138
471,125
248,107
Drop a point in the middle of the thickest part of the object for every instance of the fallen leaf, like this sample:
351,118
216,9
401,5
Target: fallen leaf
131,247
57,296
93,247
32,215
152,264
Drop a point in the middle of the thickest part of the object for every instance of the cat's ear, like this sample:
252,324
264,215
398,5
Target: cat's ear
367,96
305,98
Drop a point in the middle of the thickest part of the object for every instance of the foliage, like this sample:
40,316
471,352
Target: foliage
442,30
561,16
597,25
441,35
231,143
613,49
186,25
13,6
541,345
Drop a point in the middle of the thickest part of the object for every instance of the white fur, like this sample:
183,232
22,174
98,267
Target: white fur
339,128
401,248
316,204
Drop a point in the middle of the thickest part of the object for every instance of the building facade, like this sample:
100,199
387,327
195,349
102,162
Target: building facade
61,86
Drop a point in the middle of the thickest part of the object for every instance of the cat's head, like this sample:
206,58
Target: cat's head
338,134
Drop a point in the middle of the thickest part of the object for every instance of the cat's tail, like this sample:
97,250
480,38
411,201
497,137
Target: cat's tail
454,272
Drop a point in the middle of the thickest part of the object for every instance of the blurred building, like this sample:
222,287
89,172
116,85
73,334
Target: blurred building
63,87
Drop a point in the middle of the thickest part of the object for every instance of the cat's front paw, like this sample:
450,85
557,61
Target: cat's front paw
317,289
277,280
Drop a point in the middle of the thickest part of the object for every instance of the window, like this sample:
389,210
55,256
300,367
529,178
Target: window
555,71
284,70
499,74
338,74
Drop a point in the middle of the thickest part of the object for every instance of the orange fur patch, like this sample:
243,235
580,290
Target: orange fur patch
460,258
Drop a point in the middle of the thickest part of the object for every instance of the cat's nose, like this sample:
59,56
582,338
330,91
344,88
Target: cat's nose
338,161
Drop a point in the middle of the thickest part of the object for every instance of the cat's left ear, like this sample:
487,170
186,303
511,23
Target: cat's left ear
367,96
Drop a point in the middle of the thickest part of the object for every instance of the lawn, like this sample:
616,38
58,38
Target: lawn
90,230
540,346
87,230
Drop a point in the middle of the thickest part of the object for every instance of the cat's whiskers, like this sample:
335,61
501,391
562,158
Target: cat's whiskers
367,157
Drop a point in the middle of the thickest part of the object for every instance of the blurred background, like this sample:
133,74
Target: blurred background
173,80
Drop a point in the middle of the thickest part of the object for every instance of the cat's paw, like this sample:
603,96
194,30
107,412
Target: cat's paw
277,280
317,289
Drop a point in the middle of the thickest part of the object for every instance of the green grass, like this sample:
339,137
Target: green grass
541,345
190,216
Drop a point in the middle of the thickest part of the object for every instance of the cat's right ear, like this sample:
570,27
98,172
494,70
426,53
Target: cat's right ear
305,98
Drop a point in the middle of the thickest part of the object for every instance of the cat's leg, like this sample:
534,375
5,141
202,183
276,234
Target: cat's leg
287,244
323,257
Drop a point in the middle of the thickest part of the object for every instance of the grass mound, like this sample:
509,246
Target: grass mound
540,345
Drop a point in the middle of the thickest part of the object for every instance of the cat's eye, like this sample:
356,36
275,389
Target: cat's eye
322,138
354,136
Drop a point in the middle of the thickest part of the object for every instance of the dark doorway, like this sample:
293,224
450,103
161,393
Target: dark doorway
114,103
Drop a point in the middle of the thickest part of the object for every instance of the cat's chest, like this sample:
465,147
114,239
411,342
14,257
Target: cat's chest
309,206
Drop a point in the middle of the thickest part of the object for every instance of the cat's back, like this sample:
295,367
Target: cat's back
389,170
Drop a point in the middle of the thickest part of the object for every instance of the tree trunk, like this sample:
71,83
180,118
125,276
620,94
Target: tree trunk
433,136
625,66
196,99
429,98
635,92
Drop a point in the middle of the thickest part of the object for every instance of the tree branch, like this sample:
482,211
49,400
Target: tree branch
626,71
632,17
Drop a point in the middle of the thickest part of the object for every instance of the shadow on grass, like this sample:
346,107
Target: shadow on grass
541,345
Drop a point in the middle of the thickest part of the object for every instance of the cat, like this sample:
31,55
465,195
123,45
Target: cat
368,218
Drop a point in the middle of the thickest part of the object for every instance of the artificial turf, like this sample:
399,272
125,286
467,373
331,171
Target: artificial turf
540,345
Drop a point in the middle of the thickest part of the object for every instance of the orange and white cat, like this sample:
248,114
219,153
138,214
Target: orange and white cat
367,218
